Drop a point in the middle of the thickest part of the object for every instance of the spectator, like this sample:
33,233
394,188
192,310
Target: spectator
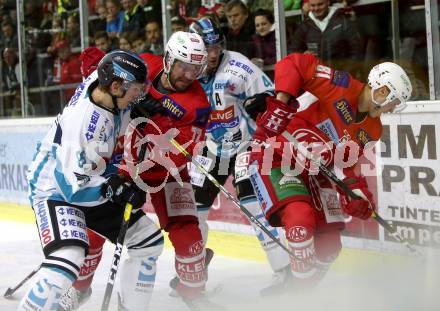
73,34
11,70
178,24
133,16
264,39
126,41
70,67
115,18
328,34
8,38
99,23
139,43
103,42
154,40
240,29
151,9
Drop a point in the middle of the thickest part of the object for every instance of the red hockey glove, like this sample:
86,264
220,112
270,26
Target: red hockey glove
275,119
362,208
90,58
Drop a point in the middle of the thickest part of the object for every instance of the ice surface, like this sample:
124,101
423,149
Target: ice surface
396,285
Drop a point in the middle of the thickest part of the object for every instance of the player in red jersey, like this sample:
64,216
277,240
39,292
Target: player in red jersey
336,118
181,110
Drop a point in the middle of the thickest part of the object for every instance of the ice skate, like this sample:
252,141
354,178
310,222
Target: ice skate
282,281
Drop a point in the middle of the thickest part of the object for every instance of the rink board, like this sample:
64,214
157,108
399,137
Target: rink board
407,183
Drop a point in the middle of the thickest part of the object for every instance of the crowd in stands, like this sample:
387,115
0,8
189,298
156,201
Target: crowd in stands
342,34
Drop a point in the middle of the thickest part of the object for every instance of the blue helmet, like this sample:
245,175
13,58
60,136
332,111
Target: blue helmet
209,30
121,64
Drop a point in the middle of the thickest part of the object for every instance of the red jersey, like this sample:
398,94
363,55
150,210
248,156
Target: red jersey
334,113
188,109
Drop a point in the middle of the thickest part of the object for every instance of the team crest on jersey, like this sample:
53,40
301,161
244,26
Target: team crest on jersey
341,78
344,111
363,137
173,108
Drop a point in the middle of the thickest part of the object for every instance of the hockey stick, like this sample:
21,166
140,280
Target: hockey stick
119,244
10,291
230,197
326,171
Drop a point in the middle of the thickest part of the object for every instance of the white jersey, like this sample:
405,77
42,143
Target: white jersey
78,152
236,79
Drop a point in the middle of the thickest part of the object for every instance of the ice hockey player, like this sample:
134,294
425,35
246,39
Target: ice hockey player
175,90
340,112
229,80
70,177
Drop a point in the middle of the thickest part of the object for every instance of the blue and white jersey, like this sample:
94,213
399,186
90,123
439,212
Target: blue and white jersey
83,146
236,79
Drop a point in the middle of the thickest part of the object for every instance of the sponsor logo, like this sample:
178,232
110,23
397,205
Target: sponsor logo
329,130
344,110
341,78
216,125
196,248
197,57
363,137
43,224
77,94
91,128
222,115
173,108
224,85
241,65
181,199
297,234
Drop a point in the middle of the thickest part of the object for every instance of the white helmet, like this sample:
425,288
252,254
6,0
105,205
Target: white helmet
186,47
395,79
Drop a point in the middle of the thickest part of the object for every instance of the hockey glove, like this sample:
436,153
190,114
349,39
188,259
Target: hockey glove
256,104
146,106
118,190
275,119
362,208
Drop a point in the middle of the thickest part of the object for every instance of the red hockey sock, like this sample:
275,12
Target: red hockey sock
190,258
298,219
91,262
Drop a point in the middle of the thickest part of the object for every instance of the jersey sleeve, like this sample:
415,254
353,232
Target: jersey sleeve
294,71
259,82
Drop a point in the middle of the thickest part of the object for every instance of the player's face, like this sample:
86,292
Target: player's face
214,52
183,74
380,96
133,90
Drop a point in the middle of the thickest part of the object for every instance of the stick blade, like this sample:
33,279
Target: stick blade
8,294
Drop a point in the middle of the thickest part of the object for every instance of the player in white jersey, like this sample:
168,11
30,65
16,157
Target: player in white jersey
70,178
229,80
